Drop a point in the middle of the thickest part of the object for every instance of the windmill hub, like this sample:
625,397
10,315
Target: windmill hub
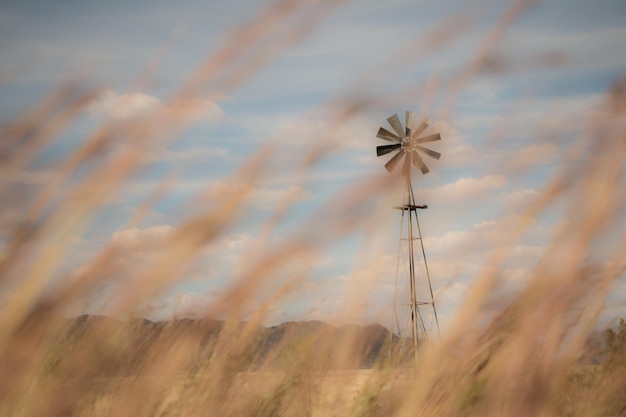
407,142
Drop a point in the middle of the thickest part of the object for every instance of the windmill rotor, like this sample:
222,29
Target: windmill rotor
406,142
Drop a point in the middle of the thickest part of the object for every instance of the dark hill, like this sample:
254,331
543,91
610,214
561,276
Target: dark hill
133,345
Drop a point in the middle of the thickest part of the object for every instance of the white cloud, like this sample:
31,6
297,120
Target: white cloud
279,199
316,128
236,241
463,254
455,149
130,259
136,238
464,189
520,197
517,277
452,295
216,264
263,198
123,106
138,248
187,305
480,236
224,256
193,109
117,105
533,155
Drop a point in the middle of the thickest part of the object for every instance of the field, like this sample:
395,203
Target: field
332,394
542,350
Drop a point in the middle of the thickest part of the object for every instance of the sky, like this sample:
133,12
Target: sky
508,121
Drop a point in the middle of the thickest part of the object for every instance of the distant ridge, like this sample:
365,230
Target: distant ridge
135,343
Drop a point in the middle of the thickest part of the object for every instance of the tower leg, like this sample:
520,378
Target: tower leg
419,328
430,286
414,311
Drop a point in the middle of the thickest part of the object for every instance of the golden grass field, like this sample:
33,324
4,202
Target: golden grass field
524,360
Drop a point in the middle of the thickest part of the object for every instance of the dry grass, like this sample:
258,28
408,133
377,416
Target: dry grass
520,361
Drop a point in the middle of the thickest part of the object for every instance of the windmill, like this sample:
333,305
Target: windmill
407,145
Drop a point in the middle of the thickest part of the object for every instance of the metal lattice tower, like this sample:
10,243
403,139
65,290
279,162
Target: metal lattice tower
421,304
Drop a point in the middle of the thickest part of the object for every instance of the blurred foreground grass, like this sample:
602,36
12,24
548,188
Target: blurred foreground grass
523,361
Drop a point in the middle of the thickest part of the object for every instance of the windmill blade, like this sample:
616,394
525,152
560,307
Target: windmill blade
406,168
393,162
387,135
430,138
421,128
394,121
408,122
429,152
385,149
419,162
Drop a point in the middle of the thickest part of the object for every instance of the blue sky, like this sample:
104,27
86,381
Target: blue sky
507,123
